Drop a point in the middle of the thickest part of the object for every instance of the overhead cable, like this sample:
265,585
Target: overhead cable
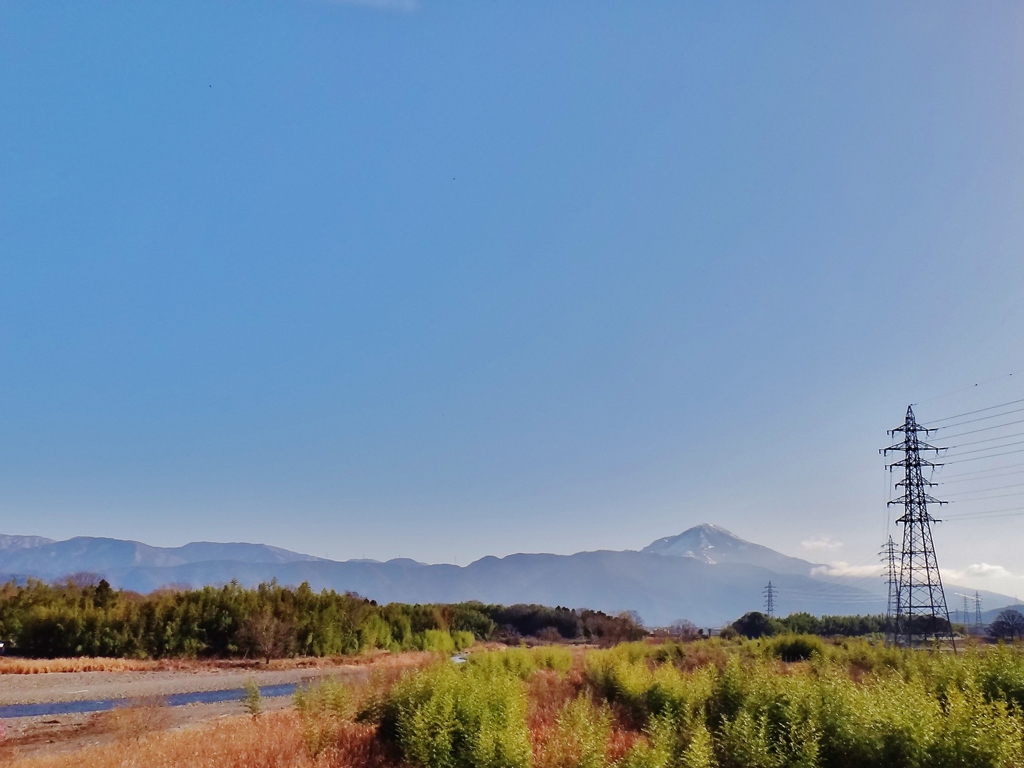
948,478
983,429
977,518
985,440
965,515
980,418
980,410
985,490
997,496
979,458
979,450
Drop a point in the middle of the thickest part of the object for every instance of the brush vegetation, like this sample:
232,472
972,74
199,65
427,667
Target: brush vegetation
75,619
780,702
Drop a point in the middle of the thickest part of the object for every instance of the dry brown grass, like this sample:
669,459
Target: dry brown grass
133,723
357,746
548,693
16,666
12,666
138,736
271,741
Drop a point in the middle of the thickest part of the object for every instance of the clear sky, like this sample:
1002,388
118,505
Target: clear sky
446,279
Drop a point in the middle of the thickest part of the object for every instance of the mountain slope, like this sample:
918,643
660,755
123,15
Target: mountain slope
714,545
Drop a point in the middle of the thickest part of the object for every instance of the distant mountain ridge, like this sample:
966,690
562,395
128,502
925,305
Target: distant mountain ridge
705,574
46,558
714,545
8,543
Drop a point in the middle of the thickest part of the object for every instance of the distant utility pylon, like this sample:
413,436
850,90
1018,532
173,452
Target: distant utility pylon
921,613
892,582
977,612
769,599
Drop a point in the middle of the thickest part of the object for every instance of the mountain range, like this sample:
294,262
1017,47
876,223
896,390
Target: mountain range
705,574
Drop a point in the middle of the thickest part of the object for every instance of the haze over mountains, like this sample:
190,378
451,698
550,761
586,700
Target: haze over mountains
705,574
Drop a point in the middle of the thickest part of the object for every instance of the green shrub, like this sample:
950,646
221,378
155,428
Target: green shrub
645,691
1001,676
553,657
911,710
458,717
516,661
252,699
438,640
795,647
700,751
669,652
581,736
658,751
323,708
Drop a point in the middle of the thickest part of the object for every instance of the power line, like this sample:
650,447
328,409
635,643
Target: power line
979,458
997,496
980,418
990,448
981,518
946,479
985,440
996,488
968,388
980,410
983,429
983,513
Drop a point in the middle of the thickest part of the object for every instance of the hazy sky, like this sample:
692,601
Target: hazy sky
440,279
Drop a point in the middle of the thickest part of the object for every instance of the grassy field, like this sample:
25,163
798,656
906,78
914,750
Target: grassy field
784,701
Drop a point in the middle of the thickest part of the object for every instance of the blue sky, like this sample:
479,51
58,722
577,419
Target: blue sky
441,280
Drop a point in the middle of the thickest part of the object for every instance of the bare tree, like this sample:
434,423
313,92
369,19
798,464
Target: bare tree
684,629
265,636
1008,625
81,580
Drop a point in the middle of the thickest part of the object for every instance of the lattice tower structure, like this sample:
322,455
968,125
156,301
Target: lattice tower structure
922,615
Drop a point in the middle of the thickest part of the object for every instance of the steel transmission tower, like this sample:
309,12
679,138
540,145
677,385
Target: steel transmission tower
891,580
921,603
769,599
977,612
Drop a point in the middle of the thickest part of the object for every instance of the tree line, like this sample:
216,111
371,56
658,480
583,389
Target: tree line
756,624
89,618
1008,625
